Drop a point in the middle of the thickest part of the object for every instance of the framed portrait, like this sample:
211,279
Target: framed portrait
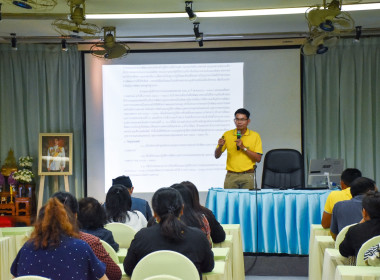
55,154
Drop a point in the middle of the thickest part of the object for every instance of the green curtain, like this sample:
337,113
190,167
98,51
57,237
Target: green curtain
341,103
41,91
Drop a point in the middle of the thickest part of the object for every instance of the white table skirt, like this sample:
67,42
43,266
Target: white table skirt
316,258
331,260
357,273
237,250
5,258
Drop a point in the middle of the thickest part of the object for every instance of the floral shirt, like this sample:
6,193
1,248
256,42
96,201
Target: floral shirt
113,271
206,229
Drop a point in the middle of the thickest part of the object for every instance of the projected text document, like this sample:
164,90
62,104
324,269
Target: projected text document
162,122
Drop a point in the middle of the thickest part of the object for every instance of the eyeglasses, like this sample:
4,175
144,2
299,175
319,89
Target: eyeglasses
240,120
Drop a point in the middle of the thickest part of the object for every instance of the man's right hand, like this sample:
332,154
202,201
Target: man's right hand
221,142
218,150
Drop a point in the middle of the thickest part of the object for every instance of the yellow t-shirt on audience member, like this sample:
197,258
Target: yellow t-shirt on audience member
336,196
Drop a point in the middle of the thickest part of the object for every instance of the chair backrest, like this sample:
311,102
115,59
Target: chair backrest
165,263
122,233
283,168
162,277
360,257
341,235
32,277
110,251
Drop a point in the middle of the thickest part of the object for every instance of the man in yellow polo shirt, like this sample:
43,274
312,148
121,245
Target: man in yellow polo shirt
244,149
347,177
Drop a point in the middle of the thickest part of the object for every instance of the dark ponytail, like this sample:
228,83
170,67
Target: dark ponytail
118,202
167,204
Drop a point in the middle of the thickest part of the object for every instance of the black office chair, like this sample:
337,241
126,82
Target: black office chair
283,169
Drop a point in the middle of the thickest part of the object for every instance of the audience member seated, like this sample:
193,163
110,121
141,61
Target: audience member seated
170,233
53,246
138,204
113,271
369,227
348,175
349,212
191,217
118,208
92,218
217,232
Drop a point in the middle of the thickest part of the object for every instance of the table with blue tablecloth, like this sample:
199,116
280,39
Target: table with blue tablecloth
272,221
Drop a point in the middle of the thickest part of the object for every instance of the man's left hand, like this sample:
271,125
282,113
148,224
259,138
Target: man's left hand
239,143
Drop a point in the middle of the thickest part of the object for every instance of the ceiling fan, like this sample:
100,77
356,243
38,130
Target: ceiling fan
109,48
76,20
330,18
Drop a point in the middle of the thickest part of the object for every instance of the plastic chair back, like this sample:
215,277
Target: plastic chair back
283,168
165,263
163,277
360,257
341,235
32,277
122,233
110,251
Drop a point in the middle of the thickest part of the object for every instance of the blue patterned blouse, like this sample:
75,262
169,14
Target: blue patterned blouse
72,259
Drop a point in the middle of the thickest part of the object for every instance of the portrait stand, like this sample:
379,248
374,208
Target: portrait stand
54,159
42,186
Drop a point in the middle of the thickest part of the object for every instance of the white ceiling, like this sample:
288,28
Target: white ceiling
36,25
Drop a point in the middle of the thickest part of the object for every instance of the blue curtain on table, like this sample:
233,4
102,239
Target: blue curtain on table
272,221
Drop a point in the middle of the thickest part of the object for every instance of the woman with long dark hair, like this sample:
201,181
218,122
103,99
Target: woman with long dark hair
53,246
191,217
170,233
217,232
118,208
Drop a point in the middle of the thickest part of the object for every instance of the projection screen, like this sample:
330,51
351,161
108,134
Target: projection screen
157,116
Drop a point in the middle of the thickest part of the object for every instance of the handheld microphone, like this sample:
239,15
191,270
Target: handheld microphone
238,133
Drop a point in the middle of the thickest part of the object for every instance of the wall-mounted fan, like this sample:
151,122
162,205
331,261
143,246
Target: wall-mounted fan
76,22
330,18
318,43
109,48
325,24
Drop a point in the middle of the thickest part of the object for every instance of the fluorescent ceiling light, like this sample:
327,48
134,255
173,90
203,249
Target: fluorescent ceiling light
361,7
134,16
240,13
261,12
